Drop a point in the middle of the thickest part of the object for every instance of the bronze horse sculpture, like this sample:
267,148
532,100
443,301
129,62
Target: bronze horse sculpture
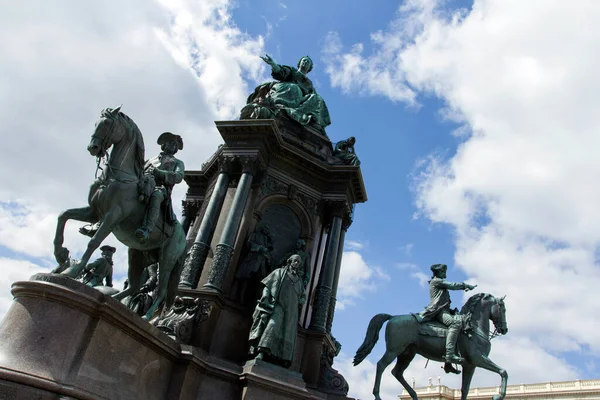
114,201
403,341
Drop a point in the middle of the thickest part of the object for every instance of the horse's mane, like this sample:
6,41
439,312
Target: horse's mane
138,143
473,301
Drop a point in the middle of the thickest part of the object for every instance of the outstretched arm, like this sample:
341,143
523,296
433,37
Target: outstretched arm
275,68
456,285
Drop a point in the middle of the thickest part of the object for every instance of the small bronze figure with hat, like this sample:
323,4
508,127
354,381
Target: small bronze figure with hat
161,173
101,269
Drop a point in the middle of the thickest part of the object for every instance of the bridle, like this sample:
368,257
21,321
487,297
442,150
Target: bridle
496,319
103,154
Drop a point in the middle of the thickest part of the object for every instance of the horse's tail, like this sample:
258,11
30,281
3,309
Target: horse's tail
371,337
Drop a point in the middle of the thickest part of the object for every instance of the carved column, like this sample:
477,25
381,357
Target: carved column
324,288
224,250
338,266
196,257
189,211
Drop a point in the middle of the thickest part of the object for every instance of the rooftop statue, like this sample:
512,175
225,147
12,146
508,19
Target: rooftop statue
293,93
115,202
426,334
344,151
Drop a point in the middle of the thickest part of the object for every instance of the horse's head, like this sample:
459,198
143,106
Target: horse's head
109,130
498,314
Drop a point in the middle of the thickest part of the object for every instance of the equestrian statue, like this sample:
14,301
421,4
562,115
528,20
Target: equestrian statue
126,200
440,334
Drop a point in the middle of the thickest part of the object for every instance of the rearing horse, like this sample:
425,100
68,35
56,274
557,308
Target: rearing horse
114,202
403,341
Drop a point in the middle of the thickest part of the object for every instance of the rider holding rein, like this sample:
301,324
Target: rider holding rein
439,309
167,171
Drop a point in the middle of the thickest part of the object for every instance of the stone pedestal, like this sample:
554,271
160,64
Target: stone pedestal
63,339
264,381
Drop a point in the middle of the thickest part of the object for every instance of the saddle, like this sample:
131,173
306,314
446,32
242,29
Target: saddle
437,329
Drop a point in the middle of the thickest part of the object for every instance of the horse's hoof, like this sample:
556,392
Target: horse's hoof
61,254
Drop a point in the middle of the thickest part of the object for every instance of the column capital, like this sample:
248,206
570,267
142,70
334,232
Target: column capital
346,221
226,163
338,208
249,164
190,207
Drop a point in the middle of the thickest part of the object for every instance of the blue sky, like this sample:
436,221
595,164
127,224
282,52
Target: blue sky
476,124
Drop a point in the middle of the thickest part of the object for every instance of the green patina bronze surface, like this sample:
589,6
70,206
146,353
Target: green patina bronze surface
344,150
116,206
293,93
423,333
275,319
100,270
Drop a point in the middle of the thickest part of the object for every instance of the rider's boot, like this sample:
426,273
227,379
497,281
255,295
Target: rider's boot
451,357
90,230
143,232
449,369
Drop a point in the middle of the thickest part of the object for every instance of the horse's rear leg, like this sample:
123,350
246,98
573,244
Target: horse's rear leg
382,364
403,361
167,260
134,273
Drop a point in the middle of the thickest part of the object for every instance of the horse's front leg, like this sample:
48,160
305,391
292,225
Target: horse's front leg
485,363
106,227
84,214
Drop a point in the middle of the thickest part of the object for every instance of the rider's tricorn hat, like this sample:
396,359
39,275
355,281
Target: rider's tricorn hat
108,249
438,267
166,136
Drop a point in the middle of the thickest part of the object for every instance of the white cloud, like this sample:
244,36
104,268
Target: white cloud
12,271
520,190
407,248
415,272
176,66
356,278
352,245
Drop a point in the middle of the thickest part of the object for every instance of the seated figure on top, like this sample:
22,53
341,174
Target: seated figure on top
293,93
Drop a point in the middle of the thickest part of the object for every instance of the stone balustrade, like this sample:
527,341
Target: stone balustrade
549,390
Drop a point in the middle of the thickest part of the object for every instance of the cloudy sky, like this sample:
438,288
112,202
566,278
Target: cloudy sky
476,124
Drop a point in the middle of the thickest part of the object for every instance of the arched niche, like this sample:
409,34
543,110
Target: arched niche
287,222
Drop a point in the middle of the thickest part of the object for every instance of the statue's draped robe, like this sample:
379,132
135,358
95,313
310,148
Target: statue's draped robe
275,319
345,153
294,93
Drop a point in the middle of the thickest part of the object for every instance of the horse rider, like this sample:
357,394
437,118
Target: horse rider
165,171
439,309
